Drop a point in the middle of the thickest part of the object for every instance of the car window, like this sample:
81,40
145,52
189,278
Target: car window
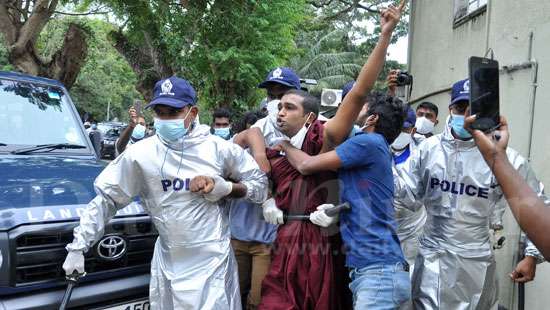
115,132
33,114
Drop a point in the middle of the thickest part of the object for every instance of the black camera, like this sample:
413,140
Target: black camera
404,78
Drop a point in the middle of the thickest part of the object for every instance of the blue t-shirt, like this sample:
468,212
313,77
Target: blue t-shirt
369,228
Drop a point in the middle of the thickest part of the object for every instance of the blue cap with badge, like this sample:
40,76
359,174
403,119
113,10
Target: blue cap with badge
282,75
461,91
174,92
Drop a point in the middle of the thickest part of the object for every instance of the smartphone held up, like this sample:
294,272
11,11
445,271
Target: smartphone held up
484,93
137,107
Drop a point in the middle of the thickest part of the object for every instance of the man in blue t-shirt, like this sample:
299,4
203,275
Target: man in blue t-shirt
378,269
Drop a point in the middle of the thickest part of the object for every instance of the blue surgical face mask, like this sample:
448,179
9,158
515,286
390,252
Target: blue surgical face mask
223,133
139,132
171,130
457,124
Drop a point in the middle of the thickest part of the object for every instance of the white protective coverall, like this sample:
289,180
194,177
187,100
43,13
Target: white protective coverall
455,267
410,221
193,266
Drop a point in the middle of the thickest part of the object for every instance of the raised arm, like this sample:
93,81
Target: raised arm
528,208
338,128
124,138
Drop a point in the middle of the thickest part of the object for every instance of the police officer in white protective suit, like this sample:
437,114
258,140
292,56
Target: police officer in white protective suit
180,175
409,224
455,267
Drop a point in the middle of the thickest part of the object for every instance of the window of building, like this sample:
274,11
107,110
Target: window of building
466,9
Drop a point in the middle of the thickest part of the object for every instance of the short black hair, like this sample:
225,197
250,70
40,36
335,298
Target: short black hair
249,118
430,106
374,95
310,102
221,113
391,114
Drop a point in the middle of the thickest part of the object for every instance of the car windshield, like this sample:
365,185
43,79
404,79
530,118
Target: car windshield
34,114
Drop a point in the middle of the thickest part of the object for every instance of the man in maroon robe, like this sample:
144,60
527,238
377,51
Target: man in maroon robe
307,269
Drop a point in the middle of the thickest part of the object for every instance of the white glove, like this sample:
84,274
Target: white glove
74,261
320,218
221,189
272,214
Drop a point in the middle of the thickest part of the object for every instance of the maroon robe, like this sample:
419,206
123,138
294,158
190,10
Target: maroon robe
307,267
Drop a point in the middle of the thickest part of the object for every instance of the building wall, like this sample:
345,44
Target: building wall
438,56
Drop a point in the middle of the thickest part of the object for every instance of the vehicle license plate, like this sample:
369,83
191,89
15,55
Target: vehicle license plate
142,304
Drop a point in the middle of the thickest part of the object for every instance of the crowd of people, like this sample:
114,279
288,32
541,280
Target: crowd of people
245,209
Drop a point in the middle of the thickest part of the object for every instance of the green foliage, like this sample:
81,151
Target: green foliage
105,78
238,46
4,63
225,48
329,60
336,40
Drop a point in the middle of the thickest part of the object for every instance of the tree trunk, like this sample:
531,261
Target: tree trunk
21,37
67,61
146,61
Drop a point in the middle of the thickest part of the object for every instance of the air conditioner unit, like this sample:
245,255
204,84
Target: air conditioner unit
331,97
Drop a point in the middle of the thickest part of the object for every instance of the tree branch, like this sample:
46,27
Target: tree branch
349,6
7,25
83,14
368,8
69,59
40,15
96,11
320,4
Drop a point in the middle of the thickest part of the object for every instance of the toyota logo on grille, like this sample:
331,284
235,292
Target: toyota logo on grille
111,247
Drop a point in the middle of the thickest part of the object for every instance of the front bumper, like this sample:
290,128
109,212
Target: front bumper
85,296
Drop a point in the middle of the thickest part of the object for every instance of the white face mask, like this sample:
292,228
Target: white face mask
424,126
273,107
401,141
298,139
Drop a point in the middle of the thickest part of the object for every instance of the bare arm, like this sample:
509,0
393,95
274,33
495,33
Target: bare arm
528,209
253,138
124,138
238,190
307,164
205,184
338,128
